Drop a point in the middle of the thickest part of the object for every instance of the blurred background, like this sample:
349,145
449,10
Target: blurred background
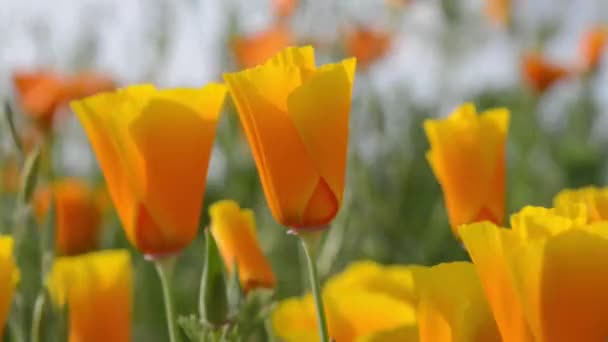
416,59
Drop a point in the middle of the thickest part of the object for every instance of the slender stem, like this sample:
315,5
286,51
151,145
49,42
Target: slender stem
164,266
307,241
37,316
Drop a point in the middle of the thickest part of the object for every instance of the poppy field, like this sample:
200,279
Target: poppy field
290,170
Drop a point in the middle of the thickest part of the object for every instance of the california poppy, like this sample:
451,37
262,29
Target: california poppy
295,116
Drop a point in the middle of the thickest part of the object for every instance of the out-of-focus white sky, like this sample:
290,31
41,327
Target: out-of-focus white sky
182,43
125,39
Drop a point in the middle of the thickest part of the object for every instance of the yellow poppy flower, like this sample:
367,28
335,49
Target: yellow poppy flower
8,278
234,232
358,307
295,116
543,278
594,199
97,287
153,147
467,156
490,248
452,305
77,215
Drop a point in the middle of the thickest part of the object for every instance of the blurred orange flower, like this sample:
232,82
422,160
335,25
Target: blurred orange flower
77,215
10,175
295,116
255,49
153,147
540,74
234,231
592,47
42,93
284,8
467,156
367,45
98,290
499,11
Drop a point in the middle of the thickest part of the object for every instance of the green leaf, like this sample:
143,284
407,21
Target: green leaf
236,296
9,117
29,176
213,302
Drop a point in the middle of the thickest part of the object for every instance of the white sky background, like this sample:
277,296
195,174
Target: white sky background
181,43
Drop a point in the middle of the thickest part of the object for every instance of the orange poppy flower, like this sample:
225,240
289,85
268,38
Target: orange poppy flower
77,215
540,74
234,231
367,45
592,47
42,93
98,290
153,147
295,116
255,49
467,156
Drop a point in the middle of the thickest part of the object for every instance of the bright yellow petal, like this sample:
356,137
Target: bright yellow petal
407,333
98,290
563,282
303,57
490,248
174,135
234,232
8,278
294,320
467,147
95,114
453,306
320,110
538,222
395,281
367,313
288,175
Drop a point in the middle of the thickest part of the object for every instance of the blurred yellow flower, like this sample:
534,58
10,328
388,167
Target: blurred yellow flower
452,305
592,47
153,147
544,279
541,74
467,156
255,49
9,276
295,116
234,232
97,288
363,312
594,199
77,215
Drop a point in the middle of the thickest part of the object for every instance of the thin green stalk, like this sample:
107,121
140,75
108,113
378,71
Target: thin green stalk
307,242
165,266
37,317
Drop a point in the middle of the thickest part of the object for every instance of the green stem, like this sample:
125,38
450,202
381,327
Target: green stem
165,266
37,316
307,242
